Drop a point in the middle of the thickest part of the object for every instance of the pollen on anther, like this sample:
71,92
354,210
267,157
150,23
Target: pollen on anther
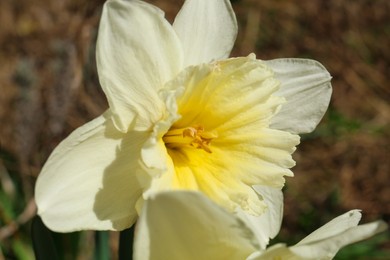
194,136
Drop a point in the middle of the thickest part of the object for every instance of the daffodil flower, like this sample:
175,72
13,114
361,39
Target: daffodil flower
182,116
187,225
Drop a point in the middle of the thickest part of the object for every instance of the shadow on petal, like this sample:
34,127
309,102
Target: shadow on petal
121,189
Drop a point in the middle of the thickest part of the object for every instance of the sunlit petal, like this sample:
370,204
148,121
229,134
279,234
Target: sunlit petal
277,251
325,242
187,225
207,30
137,53
267,225
334,227
305,84
89,181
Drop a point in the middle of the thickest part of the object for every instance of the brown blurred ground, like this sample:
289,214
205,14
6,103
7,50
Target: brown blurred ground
49,86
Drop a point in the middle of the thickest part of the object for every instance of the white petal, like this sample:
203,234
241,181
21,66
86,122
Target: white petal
267,225
277,251
187,225
334,227
207,30
89,181
306,86
326,241
137,53
154,152
332,242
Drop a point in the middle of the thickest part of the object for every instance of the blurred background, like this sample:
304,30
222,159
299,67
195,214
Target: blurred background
49,87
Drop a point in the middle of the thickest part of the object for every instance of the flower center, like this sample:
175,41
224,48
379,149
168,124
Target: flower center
193,136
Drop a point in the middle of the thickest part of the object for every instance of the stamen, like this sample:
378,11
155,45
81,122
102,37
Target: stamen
193,136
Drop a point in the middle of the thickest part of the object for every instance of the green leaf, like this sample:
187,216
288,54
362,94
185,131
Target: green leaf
102,250
22,249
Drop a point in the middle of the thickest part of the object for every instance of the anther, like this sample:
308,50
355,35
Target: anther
193,136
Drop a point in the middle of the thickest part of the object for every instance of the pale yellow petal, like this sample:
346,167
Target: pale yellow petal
305,84
187,225
334,227
276,252
267,225
89,181
325,242
207,30
137,53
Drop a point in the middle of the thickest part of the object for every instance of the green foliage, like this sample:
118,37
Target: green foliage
102,250
362,250
22,249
